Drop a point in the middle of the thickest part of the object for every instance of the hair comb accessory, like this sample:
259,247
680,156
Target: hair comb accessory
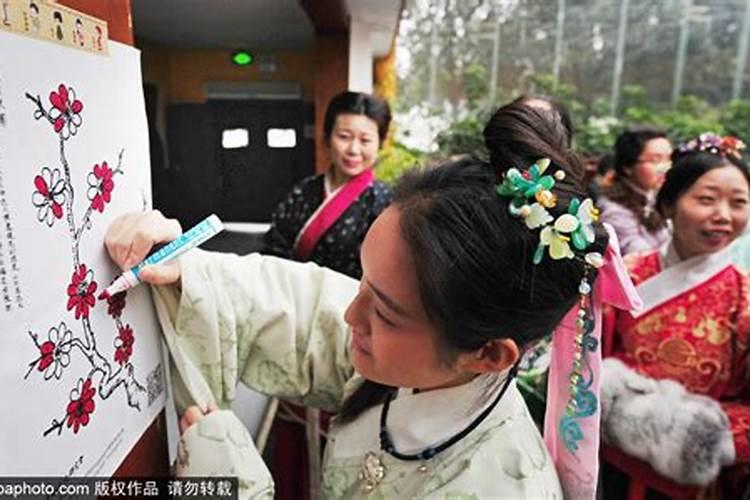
531,195
715,144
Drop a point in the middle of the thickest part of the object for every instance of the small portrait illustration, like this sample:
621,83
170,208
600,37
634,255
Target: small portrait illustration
6,19
33,21
98,44
57,17
78,38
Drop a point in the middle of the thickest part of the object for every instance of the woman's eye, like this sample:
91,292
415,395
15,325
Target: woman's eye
383,318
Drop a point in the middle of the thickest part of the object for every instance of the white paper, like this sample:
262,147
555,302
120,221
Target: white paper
107,125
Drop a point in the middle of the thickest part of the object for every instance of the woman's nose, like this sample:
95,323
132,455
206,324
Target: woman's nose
723,212
354,147
351,314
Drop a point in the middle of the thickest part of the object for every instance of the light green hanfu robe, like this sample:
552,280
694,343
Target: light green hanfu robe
278,327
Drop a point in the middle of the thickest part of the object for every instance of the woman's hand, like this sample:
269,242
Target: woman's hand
131,237
193,414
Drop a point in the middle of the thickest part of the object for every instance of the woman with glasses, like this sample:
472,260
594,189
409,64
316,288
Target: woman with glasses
642,158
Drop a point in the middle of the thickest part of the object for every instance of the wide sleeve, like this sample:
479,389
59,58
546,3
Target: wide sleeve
276,325
218,445
738,408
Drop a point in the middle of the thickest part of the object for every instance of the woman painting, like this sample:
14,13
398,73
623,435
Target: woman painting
418,358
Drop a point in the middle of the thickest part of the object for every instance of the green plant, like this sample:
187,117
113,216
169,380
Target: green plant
736,119
463,137
396,159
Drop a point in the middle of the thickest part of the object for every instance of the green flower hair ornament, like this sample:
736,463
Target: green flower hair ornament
531,195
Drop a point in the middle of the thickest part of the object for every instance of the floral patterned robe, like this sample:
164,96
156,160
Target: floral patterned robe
694,328
278,327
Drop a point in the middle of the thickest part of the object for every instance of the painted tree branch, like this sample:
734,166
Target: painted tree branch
54,353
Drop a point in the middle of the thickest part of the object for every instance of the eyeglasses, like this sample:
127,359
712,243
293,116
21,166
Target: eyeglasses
654,160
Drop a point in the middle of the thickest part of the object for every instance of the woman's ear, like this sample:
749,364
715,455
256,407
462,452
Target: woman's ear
494,356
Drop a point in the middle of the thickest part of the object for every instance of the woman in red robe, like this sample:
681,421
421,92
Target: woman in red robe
694,327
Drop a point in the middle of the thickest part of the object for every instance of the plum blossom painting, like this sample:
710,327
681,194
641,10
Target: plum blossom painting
81,376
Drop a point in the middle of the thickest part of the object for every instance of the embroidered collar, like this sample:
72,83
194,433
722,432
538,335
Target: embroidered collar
678,276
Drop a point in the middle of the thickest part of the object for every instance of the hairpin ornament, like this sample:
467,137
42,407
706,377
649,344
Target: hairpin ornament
715,144
531,195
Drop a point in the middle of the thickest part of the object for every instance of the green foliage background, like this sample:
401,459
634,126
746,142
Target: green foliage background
595,128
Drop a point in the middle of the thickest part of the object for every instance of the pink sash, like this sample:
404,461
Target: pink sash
329,212
578,469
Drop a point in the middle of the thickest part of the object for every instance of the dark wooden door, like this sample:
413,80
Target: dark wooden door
255,177
188,188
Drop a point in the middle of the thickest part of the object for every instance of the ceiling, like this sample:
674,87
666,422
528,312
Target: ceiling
252,24
255,24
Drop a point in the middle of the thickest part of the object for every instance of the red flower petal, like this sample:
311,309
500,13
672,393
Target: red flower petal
57,210
59,124
88,405
63,91
45,362
57,100
77,106
41,185
72,301
48,347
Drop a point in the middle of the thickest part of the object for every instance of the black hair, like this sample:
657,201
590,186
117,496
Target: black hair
474,270
358,103
605,164
518,134
687,168
630,145
556,110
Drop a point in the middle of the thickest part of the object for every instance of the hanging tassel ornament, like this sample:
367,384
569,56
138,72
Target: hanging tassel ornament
582,402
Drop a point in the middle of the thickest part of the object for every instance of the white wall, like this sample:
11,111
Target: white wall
360,57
